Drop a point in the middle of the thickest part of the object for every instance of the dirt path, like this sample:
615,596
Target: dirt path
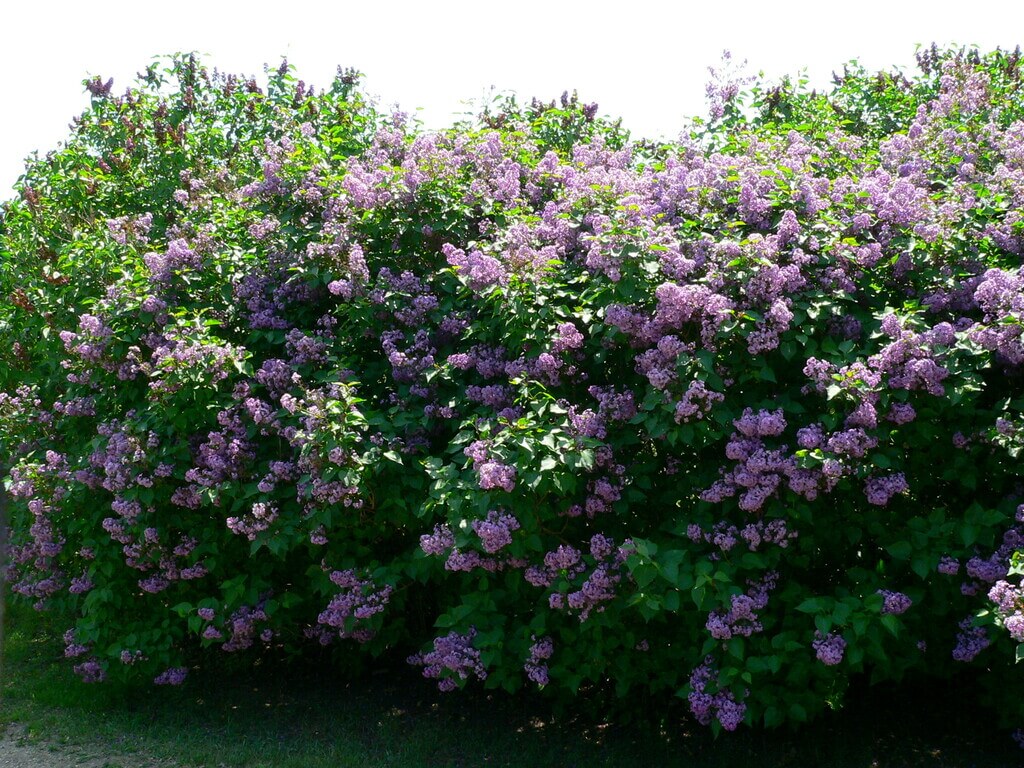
18,752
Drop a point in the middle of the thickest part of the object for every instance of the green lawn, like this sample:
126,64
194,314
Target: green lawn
289,717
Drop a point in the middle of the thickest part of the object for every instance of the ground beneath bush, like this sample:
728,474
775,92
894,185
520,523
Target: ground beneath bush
276,715
17,751
388,724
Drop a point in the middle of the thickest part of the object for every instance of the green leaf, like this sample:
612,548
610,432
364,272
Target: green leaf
773,717
969,533
810,605
672,601
644,574
922,566
737,647
891,623
900,550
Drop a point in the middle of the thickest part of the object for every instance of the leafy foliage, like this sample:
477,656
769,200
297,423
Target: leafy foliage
733,418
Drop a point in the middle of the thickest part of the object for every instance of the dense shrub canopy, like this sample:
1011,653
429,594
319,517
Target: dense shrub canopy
733,418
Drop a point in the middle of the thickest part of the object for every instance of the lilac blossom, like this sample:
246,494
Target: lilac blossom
894,602
536,667
495,531
970,641
829,648
358,600
494,474
706,705
452,660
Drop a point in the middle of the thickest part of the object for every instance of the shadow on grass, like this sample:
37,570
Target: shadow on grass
291,716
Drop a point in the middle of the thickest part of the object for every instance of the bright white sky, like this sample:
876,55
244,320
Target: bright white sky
642,60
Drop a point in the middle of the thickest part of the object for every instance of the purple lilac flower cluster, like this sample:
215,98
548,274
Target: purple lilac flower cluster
305,337
491,472
760,471
1009,604
894,602
358,600
741,620
829,648
725,536
536,667
495,531
599,584
452,661
970,641
721,705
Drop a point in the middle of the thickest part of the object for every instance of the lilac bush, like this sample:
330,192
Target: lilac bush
734,418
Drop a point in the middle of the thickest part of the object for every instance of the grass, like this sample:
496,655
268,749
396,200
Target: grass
292,717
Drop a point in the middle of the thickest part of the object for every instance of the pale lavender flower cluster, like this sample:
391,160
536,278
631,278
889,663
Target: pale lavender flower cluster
260,518
495,531
177,258
613,405
258,291
970,641
658,364
599,586
741,619
565,560
901,413
439,542
73,649
171,676
124,227
696,402
492,395
880,489
725,536
305,349
894,602
90,344
243,629
586,423
909,361
358,274
277,376
408,361
829,648
1000,294
567,337
91,671
536,667
494,474
452,660
1009,604
130,657
988,569
759,471
491,473
483,272
225,455
721,705
358,600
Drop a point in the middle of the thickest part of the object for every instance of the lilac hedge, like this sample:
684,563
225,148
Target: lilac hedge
735,418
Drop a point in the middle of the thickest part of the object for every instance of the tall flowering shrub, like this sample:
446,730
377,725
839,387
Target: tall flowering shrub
733,418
